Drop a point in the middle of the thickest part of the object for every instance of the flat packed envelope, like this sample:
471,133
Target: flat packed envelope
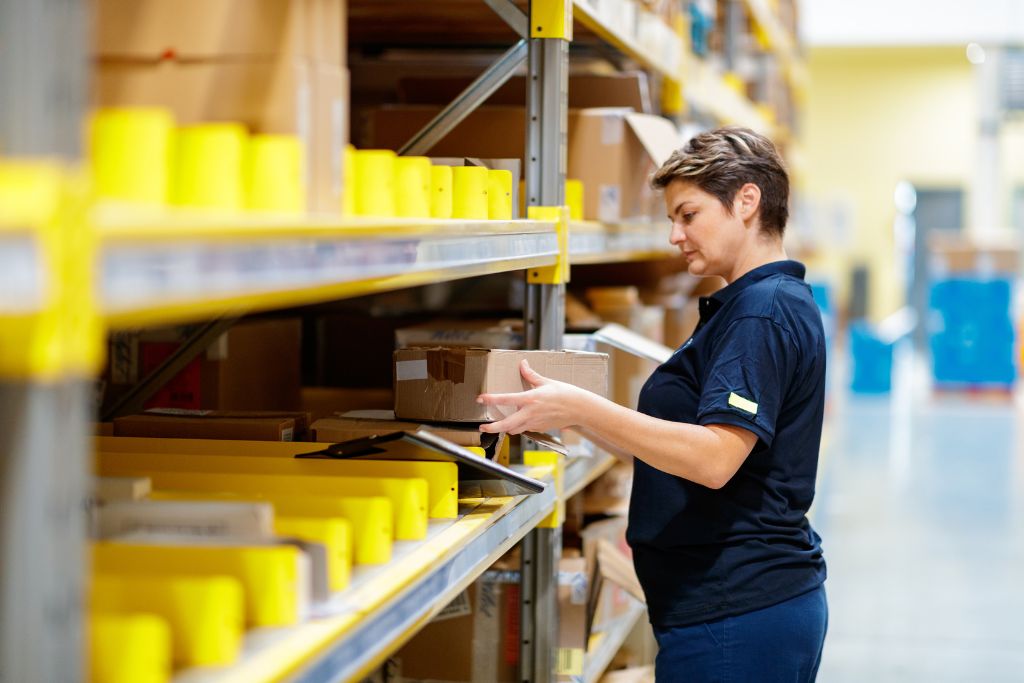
477,476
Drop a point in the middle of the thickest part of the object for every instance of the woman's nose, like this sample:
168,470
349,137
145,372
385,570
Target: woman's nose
677,236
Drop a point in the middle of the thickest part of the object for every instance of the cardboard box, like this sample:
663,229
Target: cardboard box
626,89
610,493
218,29
329,401
478,634
958,257
481,334
573,594
614,152
254,366
487,132
442,384
363,423
208,424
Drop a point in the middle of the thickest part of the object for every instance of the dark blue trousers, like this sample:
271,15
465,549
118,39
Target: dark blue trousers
777,644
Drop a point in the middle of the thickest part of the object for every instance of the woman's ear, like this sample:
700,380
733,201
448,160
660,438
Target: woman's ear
748,201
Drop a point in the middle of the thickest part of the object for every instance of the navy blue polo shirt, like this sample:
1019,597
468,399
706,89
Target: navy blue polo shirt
756,361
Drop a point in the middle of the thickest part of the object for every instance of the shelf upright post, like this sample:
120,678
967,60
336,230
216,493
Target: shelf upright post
546,133
45,366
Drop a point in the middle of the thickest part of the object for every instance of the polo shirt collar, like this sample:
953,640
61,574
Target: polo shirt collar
709,305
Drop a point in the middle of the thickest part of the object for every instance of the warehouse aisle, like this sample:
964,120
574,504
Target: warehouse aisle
921,508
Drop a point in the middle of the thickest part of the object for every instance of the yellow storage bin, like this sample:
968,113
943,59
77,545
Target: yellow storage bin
274,578
206,614
266,457
334,533
408,496
208,163
499,194
440,191
412,187
469,192
370,518
129,648
130,154
374,180
274,175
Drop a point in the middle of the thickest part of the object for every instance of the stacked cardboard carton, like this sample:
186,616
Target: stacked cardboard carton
277,66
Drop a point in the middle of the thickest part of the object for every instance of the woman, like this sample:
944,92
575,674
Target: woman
727,433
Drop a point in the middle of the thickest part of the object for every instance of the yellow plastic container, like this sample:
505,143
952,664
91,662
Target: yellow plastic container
440,191
370,518
334,533
130,153
274,578
469,192
206,614
208,166
375,182
499,195
412,187
270,457
129,648
348,182
408,496
574,198
274,174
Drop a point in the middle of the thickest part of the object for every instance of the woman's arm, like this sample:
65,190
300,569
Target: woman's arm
602,443
708,455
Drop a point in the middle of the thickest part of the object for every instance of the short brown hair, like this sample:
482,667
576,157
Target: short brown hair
722,161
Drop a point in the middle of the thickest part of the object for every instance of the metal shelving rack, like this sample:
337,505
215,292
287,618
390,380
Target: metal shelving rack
67,275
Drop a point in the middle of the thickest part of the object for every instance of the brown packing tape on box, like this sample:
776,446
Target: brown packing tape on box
442,384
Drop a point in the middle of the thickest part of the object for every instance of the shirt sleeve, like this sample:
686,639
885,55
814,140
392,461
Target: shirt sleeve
750,370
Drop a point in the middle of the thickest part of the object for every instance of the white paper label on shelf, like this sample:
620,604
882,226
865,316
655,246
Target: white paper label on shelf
459,607
609,203
22,281
410,369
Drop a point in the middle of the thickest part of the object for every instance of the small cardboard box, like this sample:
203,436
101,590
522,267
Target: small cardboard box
481,334
220,29
573,595
362,423
613,152
442,384
627,89
209,424
475,638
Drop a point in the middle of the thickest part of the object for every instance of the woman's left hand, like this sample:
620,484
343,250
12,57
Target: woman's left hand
549,405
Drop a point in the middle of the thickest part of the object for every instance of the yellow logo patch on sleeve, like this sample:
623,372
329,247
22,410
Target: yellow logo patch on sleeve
737,401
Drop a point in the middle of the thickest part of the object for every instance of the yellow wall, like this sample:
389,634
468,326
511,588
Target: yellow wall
874,117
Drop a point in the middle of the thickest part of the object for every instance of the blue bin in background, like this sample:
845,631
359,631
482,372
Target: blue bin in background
870,360
971,334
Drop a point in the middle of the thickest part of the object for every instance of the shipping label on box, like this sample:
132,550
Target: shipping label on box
442,384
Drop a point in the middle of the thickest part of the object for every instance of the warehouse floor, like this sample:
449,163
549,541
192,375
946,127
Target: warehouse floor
921,510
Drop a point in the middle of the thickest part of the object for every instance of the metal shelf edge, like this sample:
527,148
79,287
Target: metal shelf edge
611,641
387,627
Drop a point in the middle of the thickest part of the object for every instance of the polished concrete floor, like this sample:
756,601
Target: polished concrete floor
921,509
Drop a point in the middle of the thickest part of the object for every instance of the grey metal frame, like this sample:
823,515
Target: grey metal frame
43,425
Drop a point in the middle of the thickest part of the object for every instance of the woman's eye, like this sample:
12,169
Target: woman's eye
688,217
